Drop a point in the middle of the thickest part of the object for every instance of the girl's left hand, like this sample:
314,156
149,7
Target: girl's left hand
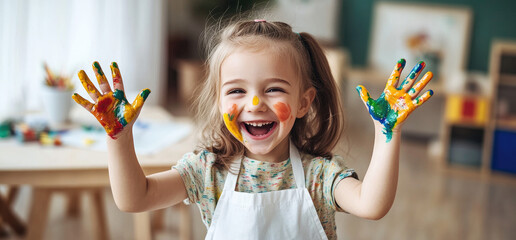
396,103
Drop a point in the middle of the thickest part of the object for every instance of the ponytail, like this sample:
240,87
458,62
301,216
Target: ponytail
320,131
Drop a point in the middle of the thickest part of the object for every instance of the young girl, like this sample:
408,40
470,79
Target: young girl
270,115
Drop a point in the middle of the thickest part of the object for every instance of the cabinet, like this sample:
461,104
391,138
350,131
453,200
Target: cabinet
466,118
502,123
480,128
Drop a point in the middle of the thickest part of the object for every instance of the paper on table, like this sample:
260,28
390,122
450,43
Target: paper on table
149,137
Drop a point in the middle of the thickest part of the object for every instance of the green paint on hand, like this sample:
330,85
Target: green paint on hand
99,70
145,93
381,111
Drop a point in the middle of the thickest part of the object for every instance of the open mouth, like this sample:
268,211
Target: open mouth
259,129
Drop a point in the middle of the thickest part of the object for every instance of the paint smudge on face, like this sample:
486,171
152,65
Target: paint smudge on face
282,111
256,100
230,120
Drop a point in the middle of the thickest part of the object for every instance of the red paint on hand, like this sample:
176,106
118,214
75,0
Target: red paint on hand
104,104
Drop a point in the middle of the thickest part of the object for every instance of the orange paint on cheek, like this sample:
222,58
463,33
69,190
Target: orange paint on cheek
282,111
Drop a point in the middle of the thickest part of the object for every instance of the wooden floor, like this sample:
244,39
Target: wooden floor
431,202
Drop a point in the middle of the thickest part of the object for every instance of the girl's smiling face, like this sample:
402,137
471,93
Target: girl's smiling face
260,99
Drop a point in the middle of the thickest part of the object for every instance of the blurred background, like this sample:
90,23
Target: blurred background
458,156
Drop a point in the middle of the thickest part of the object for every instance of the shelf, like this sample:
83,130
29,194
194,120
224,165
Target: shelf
507,124
467,124
507,80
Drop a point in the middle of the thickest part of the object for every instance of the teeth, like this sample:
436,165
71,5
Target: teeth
258,124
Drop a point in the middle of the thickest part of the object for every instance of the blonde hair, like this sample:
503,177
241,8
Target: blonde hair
316,133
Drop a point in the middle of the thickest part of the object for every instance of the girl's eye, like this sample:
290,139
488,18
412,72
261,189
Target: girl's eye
275,89
235,91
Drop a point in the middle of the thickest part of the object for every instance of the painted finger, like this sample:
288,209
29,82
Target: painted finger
140,99
395,75
412,76
117,77
83,102
88,85
423,98
414,91
364,94
101,78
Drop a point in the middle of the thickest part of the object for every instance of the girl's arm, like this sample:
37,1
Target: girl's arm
373,197
132,190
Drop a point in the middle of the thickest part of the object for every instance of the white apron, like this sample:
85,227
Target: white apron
283,214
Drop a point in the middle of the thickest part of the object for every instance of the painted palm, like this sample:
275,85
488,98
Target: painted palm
396,103
111,109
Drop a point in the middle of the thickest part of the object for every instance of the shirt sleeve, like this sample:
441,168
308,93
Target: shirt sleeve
192,168
336,170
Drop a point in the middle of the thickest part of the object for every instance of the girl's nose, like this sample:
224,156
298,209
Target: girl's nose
256,104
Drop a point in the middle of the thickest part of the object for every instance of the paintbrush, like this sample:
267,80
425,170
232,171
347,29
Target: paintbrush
50,76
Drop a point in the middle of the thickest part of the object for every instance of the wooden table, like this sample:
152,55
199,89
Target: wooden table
51,169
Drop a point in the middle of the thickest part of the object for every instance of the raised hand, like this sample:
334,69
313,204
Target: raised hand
396,103
111,109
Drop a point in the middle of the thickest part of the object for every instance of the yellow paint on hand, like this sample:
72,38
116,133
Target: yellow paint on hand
80,100
256,100
400,102
90,88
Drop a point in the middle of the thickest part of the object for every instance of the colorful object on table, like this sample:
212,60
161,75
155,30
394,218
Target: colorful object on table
88,141
50,139
5,129
26,133
60,82
256,100
282,111
466,109
395,104
111,109
230,120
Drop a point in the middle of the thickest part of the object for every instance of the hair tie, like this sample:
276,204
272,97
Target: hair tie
260,20
299,35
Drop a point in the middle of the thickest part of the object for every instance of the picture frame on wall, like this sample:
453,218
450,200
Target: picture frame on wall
300,14
436,34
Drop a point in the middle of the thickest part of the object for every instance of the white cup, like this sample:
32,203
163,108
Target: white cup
57,103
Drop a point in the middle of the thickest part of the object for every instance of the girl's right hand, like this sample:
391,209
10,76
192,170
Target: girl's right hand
111,109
